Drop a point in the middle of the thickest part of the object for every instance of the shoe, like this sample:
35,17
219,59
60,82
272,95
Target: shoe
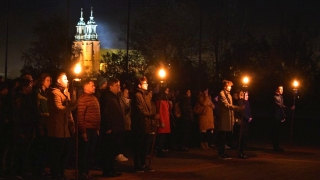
226,147
84,176
278,149
139,169
148,169
112,174
203,146
223,157
184,149
242,156
121,157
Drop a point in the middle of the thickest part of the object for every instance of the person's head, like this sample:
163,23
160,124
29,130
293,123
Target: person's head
114,85
204,90
25,85
246,96
125,92
142,83
236,95
164,93
62,80
279,90
102,83
45,80
88,86
28,77
227,85
186,92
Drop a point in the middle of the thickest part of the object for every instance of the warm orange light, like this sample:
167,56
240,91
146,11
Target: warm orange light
162,73
295,83
77,69
245,80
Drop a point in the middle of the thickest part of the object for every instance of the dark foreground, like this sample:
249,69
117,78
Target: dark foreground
301,162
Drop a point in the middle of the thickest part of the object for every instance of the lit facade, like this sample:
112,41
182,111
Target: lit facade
87,45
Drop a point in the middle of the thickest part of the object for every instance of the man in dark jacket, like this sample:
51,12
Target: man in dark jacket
88,116
143,123
112,126
279,117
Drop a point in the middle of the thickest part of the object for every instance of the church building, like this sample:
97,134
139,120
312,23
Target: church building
87,45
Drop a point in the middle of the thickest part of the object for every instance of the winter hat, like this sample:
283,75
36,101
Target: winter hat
101,81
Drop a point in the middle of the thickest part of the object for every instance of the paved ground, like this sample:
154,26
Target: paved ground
301,162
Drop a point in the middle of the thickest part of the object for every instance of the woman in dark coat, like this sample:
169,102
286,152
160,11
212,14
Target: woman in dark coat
242,126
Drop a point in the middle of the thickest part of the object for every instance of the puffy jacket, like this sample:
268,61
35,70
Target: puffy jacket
88,113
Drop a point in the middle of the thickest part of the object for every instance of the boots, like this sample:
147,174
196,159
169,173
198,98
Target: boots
203,146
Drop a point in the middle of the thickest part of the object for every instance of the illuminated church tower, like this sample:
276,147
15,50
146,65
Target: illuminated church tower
87,45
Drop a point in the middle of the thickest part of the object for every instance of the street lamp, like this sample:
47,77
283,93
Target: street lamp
76,83
295,93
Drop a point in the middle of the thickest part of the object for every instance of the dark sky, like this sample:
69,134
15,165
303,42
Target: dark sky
263,16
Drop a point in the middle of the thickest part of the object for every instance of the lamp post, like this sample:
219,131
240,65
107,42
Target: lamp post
295,93
76,83
245,82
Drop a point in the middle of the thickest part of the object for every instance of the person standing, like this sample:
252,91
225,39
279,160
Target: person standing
112,126
25,123
163,108
126,108
186,119
242,126
143,125
88,115
60,125
278,118
226,117
206,117
42,130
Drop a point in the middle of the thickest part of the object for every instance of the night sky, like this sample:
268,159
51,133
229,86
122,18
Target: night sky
263,17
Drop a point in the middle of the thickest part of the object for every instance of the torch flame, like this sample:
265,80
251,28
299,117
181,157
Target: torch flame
295,84
162,73
77,68
245,80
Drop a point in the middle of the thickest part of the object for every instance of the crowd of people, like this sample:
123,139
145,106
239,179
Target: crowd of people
39,120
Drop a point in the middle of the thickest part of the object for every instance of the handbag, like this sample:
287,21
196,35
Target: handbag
199,109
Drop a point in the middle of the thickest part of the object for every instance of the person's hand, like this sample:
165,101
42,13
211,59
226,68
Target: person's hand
250,119
293,107
108,131
162,125
157,116
84,136
283,120
98,132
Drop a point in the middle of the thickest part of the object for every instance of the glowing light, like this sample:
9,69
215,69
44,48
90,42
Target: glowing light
162,73
245,80
77,69
295,83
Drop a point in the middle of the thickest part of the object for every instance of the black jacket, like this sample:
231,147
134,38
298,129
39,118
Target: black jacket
112,117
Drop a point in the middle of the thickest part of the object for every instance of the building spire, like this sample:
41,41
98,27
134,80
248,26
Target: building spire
91,32
81,18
